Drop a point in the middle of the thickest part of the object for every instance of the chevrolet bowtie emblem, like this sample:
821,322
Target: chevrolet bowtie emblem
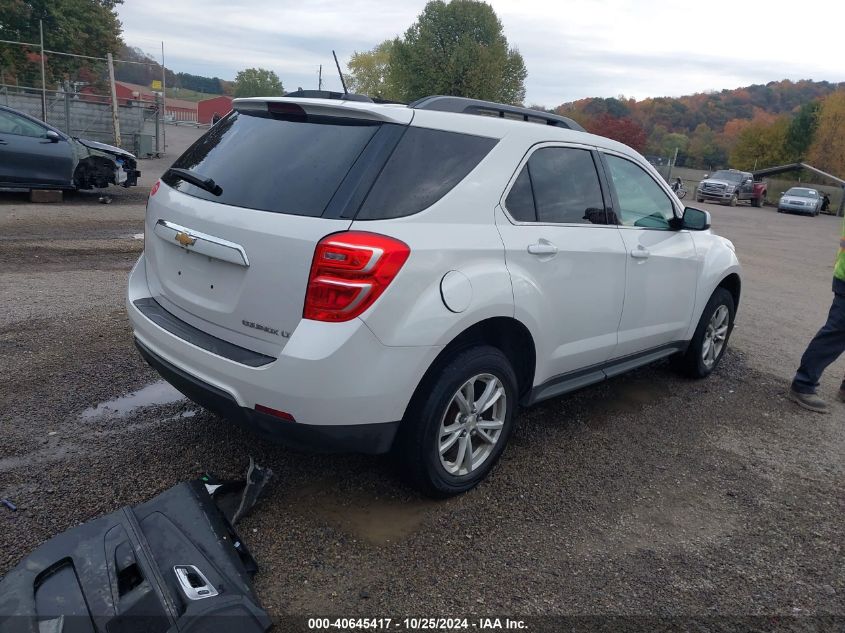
184,239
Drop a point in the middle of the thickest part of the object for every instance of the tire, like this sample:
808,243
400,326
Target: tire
436,402
699,199
682,194
693,362
734,199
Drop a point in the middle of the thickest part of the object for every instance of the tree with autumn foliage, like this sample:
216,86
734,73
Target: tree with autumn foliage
828,149
704,148
620,129
761,145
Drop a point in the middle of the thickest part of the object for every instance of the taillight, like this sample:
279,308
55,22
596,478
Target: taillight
349,272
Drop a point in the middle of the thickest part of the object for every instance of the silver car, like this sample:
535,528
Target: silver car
800,200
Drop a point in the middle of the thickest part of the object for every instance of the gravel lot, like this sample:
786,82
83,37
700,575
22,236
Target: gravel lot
648,494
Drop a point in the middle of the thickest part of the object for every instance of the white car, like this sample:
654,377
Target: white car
800,200
349,276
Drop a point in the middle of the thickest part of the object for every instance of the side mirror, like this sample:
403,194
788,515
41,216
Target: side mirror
695,219
53,137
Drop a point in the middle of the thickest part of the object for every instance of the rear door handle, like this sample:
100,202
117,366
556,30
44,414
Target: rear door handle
543,247
2,142
640,253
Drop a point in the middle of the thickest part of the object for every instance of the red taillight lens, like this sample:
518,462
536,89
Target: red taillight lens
349,272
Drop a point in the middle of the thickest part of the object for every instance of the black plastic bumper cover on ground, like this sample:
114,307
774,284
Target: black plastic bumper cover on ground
371,439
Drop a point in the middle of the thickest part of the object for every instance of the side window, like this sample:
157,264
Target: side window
520,200
558,185
641,200
425,166
13,124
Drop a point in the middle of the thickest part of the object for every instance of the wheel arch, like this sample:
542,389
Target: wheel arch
507,334
94,171
733,284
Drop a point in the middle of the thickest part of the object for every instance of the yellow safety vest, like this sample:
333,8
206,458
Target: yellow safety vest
839,270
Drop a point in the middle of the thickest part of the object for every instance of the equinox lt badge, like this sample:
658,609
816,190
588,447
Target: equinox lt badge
264,328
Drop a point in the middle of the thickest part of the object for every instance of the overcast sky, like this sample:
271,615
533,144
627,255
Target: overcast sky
572,48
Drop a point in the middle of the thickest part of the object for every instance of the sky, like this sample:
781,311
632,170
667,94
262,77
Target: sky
572,48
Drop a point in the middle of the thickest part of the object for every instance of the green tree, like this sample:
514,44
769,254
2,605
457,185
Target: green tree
828,149
704,147
457,49
673,141
258,82
802,129
369,73
82,27
761,145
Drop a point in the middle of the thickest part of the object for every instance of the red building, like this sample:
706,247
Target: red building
129,94
209,107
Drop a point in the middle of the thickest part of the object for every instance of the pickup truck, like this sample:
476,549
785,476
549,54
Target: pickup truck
729,186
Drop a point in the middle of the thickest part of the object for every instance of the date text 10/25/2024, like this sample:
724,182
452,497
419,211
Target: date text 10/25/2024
416,624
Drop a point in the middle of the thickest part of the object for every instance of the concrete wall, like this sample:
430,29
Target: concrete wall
88,120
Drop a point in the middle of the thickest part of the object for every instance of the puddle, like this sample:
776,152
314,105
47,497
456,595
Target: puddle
373,519
157,393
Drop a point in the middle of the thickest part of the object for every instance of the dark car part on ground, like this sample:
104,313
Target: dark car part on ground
172,563
237,498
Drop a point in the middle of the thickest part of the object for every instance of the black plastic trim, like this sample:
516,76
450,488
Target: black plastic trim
153,310
371,439
350,195
571,381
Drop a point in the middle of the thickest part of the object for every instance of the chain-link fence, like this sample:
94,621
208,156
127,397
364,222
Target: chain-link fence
89,115
78,94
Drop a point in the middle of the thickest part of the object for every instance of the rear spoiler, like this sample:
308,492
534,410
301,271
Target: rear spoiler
328,107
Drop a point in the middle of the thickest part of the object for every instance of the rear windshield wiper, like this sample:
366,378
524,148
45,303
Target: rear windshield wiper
195,179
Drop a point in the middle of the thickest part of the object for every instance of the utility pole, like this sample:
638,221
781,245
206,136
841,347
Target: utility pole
320,78
672,164
163,102
43,75
115,117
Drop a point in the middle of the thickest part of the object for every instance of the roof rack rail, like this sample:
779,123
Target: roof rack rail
464,105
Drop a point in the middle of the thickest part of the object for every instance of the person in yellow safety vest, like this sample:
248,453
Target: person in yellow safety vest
825,347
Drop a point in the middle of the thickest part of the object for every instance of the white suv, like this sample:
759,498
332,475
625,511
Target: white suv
351,276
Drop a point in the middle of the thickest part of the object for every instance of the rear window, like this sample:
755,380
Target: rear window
275,162
423,168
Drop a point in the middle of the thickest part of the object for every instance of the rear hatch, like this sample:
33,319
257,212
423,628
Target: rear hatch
231,232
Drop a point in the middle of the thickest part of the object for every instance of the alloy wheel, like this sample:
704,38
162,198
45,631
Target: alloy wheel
715,336
472,424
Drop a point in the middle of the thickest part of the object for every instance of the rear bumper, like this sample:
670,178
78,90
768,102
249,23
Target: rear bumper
337,380
336,438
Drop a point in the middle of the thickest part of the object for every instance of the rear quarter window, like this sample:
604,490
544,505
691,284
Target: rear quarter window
425,166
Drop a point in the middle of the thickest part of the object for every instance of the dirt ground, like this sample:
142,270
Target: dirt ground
646,495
